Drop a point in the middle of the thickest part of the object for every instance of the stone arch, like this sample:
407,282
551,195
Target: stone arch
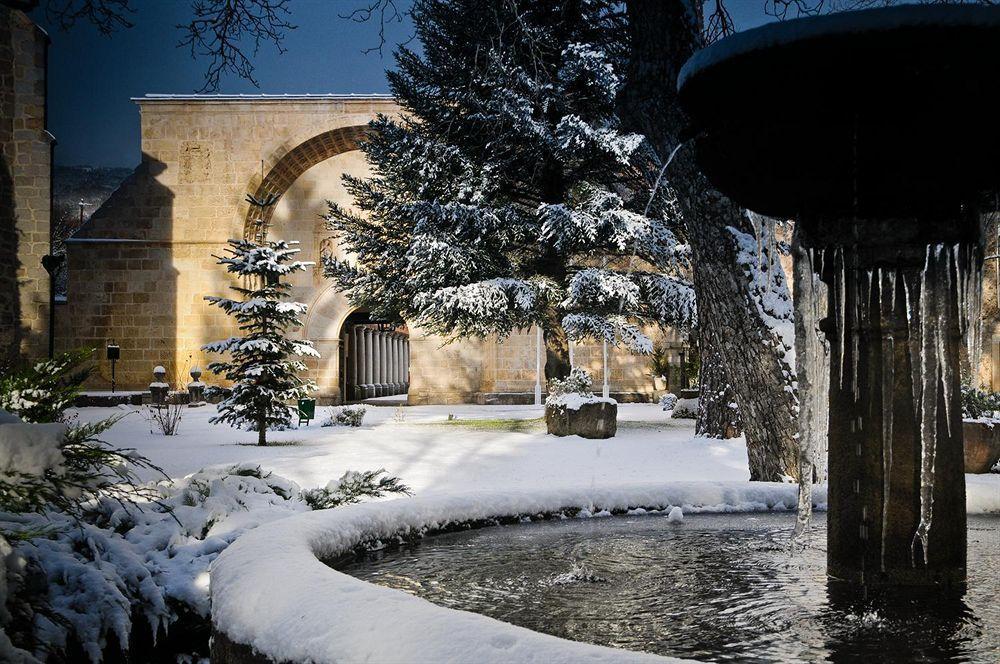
293,164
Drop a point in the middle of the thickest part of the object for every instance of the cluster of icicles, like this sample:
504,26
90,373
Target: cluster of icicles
947,289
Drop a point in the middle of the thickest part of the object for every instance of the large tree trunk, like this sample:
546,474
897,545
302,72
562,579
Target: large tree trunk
557,363
717,415
732,326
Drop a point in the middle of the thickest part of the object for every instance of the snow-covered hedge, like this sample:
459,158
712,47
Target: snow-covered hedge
271,591
351,416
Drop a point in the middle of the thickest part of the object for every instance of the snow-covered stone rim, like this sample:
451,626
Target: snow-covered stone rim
849,22
270,590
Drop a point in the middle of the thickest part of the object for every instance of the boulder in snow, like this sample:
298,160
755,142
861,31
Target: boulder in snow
577,415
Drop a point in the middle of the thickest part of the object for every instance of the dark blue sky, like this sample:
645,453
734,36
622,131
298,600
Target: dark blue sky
92,76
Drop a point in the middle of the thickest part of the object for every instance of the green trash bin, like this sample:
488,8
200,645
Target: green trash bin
307,410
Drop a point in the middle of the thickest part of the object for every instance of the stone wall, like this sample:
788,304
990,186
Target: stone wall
25,186
140,268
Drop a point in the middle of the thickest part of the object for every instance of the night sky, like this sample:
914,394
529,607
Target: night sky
92,76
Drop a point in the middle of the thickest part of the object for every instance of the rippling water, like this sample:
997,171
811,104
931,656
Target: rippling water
715,587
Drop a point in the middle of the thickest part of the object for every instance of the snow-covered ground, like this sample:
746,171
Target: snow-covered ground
475,450
431,454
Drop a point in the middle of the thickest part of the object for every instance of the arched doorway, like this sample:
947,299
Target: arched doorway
375,358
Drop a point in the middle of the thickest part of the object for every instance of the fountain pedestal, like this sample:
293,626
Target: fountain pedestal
864,127
894,297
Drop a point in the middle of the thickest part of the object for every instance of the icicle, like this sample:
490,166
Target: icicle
860,306
887,295
930,305
968,273
840,268
945,367
813,365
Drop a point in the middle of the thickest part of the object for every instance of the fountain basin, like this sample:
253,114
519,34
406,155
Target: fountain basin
274,600
715,587
874,113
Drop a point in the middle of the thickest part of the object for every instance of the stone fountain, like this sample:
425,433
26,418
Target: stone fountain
874,130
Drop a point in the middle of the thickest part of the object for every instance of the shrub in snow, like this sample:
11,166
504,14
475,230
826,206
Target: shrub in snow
261,363
685,409
215,394
577,382
668,401
166,417
80,580
979,404
42,392
351,416
58,466
352,487
507,197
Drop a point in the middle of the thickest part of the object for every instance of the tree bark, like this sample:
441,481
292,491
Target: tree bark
717,416
556,353
663,34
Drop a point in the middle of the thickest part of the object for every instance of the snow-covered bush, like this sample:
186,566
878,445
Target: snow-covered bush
668,401
350,416
43,391
62,467
685,409
352,487
215,393
261,362
79,581
577,382
979,404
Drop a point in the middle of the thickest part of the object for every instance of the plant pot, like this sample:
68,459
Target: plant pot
982,446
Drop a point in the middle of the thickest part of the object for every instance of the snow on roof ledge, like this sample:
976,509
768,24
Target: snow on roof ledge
152,97
271,591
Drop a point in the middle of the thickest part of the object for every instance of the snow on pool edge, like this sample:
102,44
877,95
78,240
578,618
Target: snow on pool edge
271,591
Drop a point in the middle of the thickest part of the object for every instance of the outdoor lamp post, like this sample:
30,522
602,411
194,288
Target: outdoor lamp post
51,263
114,354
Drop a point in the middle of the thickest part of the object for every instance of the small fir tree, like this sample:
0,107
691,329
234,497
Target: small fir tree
261,367
508,196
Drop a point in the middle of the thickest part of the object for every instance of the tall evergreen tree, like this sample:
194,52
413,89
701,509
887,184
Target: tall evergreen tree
261,367
508,196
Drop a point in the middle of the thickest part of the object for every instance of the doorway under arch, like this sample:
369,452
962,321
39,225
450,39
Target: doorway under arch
374,358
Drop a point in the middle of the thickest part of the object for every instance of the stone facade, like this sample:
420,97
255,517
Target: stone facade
141,266
25,187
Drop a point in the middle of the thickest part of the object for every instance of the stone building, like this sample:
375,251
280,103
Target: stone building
138,270
25,184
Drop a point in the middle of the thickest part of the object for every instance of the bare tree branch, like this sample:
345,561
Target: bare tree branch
719,22
386,12
108,16
218,30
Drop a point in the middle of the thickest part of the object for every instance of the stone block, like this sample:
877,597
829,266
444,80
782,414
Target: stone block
594,419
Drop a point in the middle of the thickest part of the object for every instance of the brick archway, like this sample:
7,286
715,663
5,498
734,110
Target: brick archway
293,164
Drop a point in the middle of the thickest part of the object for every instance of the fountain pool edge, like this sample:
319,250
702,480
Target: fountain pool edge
273,596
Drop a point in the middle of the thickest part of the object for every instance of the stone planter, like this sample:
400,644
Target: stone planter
659,383
590,419
982,446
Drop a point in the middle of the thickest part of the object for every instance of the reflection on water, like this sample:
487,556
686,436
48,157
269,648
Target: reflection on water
716,587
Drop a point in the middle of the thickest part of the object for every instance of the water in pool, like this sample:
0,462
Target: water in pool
715,587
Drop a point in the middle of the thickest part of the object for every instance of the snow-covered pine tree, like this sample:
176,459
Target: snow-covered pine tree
261,363
507,196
